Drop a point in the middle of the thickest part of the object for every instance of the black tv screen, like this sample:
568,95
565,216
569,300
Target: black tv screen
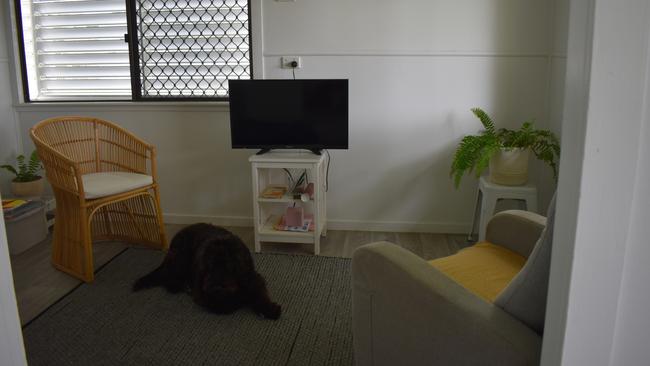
295,114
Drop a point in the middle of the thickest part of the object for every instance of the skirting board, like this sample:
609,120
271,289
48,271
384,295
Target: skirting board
356,225
184,219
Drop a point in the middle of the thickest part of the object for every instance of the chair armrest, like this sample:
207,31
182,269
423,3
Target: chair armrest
405,312
516,230
61,172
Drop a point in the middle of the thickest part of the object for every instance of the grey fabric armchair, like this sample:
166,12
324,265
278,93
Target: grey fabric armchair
406,312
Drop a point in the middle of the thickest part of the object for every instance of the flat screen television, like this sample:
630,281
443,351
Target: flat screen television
289,114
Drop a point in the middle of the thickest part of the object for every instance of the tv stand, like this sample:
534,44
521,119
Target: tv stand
268,170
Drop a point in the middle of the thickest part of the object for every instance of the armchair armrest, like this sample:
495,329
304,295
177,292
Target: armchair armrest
516,230
405,312
61,172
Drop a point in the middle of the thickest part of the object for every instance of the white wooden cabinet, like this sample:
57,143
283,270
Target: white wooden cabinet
268,169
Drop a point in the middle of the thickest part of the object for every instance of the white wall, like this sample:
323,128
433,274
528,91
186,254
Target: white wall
598,294
633,323
11,338
557,67
576,96
11,342
9,137
415,70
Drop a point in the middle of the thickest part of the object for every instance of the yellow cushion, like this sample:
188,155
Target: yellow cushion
484,268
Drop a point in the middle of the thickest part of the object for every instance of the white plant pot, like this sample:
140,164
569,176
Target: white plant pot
34,188
510,167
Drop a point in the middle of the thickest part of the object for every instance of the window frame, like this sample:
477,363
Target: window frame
21,51
254,41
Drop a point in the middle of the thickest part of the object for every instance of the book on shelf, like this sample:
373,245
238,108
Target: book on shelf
308,225
9,204
13,208
274,192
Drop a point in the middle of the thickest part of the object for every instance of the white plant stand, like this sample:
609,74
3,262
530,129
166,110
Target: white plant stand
489,193
267,169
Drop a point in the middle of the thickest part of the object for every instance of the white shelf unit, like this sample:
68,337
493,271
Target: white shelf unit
268,169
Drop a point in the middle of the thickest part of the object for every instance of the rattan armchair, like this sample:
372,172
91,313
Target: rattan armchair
105,184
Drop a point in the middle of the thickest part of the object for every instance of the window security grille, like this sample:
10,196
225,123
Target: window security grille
189,48
74,49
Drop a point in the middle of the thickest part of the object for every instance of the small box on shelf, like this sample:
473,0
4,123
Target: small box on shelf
25,222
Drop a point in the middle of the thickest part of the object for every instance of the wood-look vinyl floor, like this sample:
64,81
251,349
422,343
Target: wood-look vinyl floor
38,285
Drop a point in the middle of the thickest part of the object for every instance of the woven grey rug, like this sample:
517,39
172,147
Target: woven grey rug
106,324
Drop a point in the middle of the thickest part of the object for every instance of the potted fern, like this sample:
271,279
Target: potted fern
27,182
505,152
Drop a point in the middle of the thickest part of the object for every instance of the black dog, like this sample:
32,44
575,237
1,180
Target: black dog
217,269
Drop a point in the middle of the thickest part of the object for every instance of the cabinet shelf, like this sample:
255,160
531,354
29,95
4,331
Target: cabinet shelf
287,198
268,229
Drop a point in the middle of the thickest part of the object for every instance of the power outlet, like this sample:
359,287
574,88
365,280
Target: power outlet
288,60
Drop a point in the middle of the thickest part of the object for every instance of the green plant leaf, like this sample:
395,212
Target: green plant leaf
484,159
486,121
9,168
25,171
475,151
33,166
34,161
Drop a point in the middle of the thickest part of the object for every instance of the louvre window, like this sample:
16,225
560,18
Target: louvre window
178,49
75,49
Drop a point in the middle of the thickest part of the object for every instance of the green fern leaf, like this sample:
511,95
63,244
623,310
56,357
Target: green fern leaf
474,152
9,168
487,122
22,168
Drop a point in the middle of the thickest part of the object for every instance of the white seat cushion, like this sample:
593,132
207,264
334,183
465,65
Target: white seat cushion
97,185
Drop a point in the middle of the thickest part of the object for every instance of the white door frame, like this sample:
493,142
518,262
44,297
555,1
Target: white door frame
604,109
11,336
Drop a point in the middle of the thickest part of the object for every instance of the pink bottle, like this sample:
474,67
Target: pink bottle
294,216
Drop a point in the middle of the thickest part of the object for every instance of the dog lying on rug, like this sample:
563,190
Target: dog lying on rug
216,268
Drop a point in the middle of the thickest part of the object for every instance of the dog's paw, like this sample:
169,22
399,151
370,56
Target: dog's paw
272,311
